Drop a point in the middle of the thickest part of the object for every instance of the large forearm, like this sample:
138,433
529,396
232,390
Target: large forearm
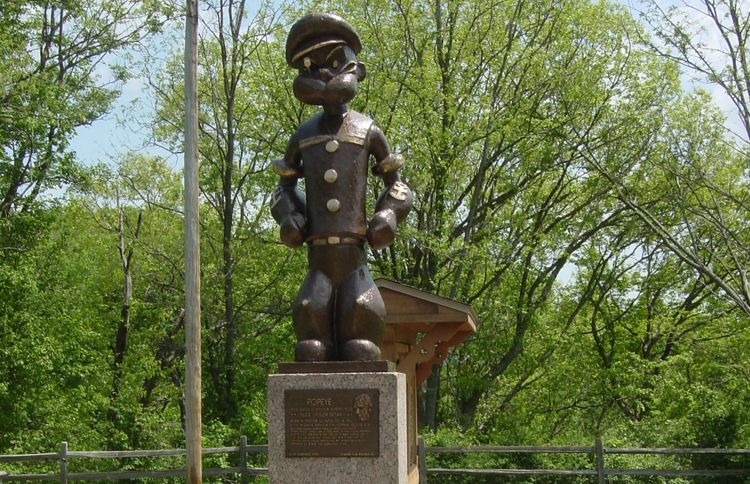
287,200
393,205
397,196
288,209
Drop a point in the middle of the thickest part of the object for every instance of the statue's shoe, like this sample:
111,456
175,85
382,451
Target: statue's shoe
311,350
360,350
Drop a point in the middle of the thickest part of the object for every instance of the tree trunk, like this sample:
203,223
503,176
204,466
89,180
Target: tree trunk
431,395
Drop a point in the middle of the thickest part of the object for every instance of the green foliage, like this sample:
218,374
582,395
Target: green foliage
42,336
48,55
592,213
248,278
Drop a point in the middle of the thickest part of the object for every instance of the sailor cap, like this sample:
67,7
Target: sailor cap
317,30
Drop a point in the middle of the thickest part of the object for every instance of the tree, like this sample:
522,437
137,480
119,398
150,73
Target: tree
63,372
700,215
684,35
708,234
566,188
124,202
491,104
50,52
238,129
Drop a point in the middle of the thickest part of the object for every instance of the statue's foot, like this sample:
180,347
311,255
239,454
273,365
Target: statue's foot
360,350
310,350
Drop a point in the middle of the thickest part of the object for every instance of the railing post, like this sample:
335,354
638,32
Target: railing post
64,463
422,462
599,448
243,459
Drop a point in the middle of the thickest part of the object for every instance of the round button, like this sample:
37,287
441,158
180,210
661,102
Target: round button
332,146
330,175
333,205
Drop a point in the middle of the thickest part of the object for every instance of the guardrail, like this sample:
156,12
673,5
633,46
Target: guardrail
65,456
598,453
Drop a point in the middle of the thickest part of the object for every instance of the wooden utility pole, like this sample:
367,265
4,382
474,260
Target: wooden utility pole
194,470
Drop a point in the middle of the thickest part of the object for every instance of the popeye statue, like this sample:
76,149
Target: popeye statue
338,313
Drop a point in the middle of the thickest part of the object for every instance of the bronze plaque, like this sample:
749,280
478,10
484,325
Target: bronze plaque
332,423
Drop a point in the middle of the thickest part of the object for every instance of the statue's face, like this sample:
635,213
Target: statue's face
328,76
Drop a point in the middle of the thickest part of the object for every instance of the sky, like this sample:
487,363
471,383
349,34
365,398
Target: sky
711,38
117,132
124,128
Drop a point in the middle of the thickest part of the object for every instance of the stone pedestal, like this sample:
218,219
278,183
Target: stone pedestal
340,427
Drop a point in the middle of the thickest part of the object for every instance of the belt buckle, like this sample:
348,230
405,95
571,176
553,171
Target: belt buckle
334,240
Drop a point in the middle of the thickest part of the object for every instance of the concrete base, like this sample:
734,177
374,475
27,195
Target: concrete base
390,467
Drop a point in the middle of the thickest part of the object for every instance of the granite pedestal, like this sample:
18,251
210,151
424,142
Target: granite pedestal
337,428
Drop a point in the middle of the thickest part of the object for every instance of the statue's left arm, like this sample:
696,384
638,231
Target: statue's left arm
396,200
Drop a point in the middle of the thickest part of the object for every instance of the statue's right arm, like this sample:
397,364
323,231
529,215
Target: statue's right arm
288,201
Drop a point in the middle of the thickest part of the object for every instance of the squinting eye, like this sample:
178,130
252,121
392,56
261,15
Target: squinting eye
335,64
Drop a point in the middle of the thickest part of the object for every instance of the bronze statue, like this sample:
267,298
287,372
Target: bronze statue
338,314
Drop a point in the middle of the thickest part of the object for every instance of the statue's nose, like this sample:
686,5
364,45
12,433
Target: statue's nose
325,74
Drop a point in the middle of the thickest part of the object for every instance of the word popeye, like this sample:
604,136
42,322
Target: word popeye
338,313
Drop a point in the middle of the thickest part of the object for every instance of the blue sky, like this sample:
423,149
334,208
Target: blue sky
124,128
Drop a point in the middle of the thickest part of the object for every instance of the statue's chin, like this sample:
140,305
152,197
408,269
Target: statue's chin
339,90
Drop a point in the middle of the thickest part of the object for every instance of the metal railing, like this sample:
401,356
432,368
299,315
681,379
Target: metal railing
597,452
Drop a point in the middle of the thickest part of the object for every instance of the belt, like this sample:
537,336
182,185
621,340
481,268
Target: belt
335,240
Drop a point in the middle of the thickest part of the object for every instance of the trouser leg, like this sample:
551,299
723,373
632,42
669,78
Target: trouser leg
312,318
360,315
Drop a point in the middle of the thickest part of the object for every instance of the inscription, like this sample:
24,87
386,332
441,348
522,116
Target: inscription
332,423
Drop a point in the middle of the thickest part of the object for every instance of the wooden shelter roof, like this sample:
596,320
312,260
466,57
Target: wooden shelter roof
422,327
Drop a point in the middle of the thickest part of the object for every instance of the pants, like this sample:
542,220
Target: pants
338,300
